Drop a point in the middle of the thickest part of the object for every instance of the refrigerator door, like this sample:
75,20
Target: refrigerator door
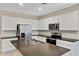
25,31
28,32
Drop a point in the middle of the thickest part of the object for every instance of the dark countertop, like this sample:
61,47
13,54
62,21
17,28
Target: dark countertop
9,37
36,48
70,40
41,35
64,39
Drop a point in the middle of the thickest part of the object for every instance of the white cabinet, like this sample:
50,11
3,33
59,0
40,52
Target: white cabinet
62,23
68,21
10,23
65,44
44,23
7,46
40,24
73,46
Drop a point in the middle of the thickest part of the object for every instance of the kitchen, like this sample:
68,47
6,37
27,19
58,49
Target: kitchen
58,28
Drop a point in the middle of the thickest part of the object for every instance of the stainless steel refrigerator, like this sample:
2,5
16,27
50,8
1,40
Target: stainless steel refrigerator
24,31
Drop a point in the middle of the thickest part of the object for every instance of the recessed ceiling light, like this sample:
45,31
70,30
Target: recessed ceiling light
21,4
39,8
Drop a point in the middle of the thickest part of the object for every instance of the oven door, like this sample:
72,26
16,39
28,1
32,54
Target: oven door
51,41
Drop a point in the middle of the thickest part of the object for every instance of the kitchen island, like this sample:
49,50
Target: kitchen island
36,48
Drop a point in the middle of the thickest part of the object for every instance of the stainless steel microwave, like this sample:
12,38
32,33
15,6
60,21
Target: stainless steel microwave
54,26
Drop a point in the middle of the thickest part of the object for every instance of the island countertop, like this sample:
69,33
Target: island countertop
36,48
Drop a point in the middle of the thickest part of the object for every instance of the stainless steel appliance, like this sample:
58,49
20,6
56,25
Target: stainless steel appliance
54,26
24,31
53,38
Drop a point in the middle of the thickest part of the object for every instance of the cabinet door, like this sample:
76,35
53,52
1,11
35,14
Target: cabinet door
44,23
7,46
40,24
64,44
62,23
9,23
71,21
68,21
13,23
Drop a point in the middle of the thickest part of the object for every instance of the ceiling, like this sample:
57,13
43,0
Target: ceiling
32,8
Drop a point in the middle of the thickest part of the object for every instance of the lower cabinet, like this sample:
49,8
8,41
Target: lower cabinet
73,46
7,46
65,44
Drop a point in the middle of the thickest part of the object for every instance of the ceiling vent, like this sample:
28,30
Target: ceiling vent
44,3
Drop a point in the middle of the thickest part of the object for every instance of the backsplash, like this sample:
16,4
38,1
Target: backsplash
46,33
71,35
65,34
74,35
10,33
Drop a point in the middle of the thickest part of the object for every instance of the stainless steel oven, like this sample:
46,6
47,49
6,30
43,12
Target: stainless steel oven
52,39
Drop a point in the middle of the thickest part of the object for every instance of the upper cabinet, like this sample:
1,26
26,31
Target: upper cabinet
67,21
10,23
44,23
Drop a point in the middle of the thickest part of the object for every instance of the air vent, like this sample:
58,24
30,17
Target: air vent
44,3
